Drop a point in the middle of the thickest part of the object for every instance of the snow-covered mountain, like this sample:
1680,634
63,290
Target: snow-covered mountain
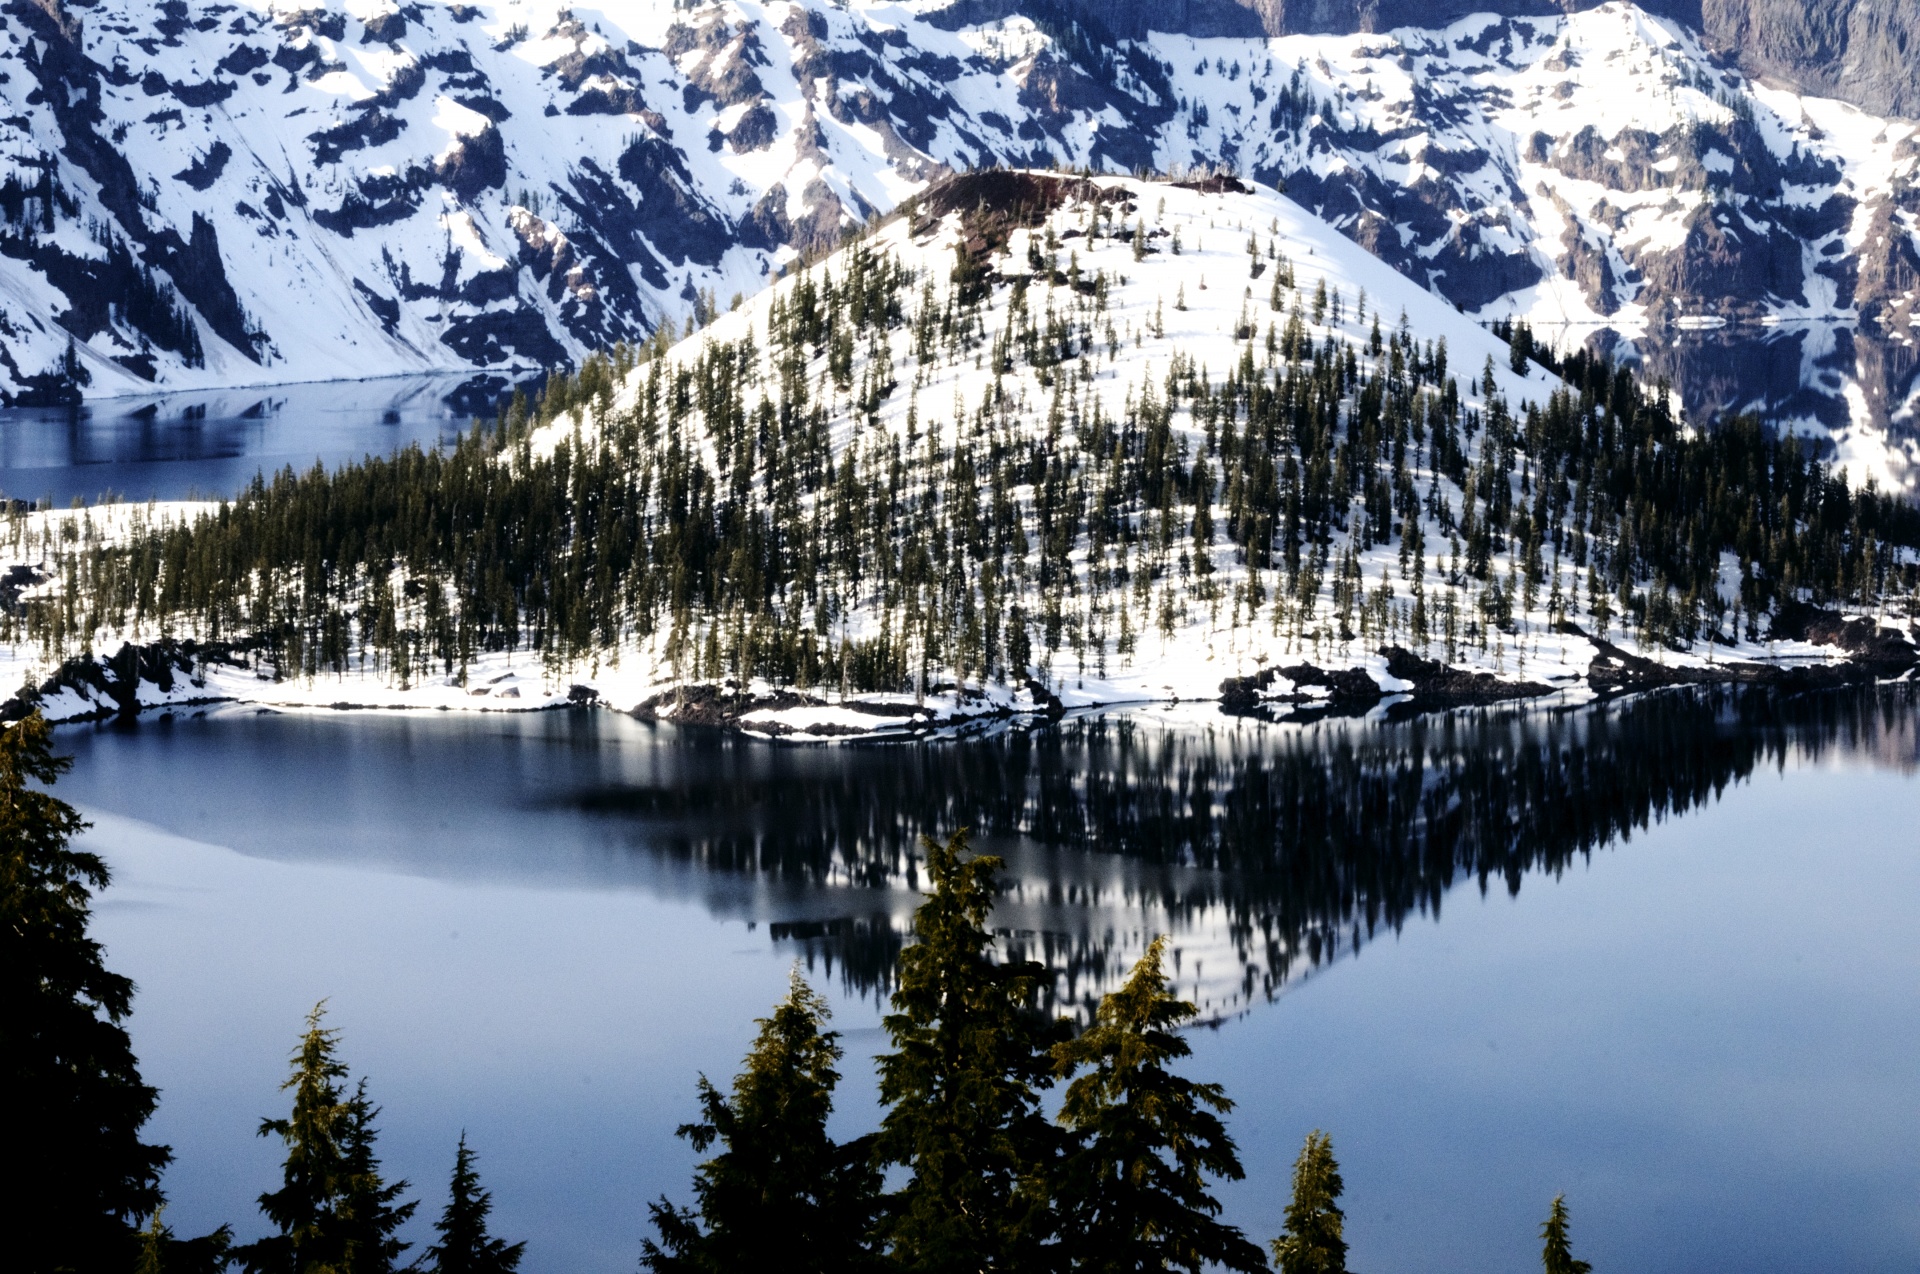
1033,442
1855,50
1849,388
220,193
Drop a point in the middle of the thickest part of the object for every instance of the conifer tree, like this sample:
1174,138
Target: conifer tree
962,1084
1133,1193
465,1246
315,1135
370,1214
163,1253
1556,1255
1312,1242
781,1194
72,1080
333,1210
153,1246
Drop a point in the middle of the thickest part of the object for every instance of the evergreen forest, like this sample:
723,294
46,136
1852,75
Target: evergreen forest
964,451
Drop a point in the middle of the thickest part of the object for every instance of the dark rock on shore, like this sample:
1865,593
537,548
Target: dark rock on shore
1349,690
1047,701
1886,652
117,679
1873,653
1435,685
1615,671
723,709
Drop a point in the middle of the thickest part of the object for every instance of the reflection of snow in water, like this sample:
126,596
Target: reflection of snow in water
1196,830
1263,849
1093,931
212,442
1854,390
1088,918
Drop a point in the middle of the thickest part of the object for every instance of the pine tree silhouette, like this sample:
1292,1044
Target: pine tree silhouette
962,1084
465,1246
1556,1254
333,1210
74,1087
781,1194
1313,1242
1133,1193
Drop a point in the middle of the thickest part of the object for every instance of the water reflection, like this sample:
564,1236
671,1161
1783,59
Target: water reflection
1266,850
1854,389
211,443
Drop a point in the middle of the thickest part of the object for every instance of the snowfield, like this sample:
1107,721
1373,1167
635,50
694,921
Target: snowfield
276,193
1190,310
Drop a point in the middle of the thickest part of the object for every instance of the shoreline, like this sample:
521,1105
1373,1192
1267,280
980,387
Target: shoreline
1828,650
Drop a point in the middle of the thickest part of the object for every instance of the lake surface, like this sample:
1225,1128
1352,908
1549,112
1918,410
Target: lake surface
212,443
1855,392
1663,955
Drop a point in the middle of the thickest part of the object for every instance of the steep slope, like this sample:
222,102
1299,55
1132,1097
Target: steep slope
1854,50
1034,441
199,194
246,194
1593,169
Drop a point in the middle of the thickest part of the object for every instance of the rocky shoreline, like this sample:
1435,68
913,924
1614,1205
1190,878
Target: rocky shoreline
173,674
1413,685
96,689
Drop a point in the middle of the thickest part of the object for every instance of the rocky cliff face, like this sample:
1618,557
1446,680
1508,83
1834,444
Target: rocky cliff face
1859,51
201,193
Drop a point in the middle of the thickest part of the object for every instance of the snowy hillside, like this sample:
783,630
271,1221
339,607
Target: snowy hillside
1034,442
1187,308
218,193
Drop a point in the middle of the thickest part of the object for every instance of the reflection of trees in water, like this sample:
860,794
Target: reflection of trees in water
1266,850
1844,379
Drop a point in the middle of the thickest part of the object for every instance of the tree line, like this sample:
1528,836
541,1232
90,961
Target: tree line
1119,1179
759,506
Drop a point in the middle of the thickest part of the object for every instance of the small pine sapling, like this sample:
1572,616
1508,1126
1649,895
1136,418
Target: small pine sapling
1556,1255
465,1246
1313,1241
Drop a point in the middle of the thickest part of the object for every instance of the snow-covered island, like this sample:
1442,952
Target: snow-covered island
1035,442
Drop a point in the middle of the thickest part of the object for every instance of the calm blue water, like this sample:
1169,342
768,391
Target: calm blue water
1664,956
1661,955
212,444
